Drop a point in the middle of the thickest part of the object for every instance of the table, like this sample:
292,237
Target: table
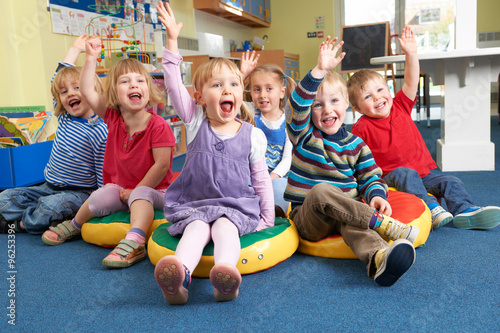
465,143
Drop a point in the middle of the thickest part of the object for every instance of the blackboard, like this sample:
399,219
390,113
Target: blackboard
363,42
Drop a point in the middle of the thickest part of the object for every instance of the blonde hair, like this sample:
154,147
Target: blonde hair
358,81
125,66
207,70
276,70
335,81
68,73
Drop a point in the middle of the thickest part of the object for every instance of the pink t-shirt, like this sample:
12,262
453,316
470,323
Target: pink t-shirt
127,160
395,141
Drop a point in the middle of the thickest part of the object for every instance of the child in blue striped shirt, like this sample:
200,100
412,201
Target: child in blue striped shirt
74,169
332,170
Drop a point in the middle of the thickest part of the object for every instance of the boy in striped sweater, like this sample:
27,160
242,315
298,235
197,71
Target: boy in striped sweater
332,170
74,169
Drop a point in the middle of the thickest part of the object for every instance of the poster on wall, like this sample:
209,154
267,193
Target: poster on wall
128,19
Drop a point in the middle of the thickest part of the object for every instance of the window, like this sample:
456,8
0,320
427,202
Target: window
431,20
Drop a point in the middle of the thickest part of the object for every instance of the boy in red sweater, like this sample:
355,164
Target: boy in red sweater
398,148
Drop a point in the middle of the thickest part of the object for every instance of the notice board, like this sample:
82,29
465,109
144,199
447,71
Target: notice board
363,42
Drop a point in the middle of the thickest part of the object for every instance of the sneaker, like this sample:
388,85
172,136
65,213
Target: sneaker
173,278
5,225
60,233
440,217
226,279
393,261
478,218
125,254
393,229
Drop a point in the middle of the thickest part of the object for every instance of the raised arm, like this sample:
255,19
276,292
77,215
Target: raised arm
412,65
96,101
183,104
248,63
327,57
172,27
77,48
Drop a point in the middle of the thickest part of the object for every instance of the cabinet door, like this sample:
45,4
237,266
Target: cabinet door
234,3
258,8
245,5
267,13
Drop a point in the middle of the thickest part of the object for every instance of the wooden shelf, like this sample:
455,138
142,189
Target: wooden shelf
221,9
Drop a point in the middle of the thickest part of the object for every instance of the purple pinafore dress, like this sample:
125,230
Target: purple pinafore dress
214,183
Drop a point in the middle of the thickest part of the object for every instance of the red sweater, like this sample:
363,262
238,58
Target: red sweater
395,141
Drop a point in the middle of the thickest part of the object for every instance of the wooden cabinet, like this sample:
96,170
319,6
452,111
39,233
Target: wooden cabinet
252,13
287,61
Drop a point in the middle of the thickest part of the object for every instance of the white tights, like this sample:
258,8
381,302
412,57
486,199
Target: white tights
196,236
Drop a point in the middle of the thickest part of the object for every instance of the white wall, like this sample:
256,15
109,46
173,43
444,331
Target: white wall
226,30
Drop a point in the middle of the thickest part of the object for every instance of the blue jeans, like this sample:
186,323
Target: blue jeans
450,188
38,206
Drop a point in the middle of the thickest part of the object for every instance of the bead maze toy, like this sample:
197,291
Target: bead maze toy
111,35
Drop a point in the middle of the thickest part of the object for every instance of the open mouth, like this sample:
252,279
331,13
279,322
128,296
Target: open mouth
380,106
135,97
330,121
74,103
226,107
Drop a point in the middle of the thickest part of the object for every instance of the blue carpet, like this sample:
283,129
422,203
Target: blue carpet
452,287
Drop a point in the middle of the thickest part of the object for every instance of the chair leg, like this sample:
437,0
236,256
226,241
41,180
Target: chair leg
418,101
427,99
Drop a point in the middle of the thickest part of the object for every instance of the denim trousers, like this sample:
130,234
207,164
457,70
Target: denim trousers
326,210
448,187
38,206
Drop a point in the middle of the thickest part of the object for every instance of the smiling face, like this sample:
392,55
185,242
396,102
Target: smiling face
221,95
374,100
329,109
71,99
267,91
132,92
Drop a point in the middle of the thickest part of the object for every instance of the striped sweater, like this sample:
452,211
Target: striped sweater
342,159
77,155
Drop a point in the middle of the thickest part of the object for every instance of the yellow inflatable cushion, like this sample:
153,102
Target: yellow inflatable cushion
259,250
406,208
110,230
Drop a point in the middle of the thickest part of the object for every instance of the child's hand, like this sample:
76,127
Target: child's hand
248,63
125,195
381,205
80,42
168,19
93,47
77,48
327,58
407,41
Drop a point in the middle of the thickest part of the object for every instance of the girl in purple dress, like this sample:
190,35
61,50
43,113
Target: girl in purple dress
211,198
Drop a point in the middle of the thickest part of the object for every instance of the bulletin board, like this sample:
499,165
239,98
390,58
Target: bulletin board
363,42
72,17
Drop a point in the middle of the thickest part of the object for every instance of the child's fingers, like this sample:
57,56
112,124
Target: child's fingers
170,12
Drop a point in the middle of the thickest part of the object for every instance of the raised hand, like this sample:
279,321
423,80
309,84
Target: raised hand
168,19
327,58
79,43
248,63
76,48
93,47
407,41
